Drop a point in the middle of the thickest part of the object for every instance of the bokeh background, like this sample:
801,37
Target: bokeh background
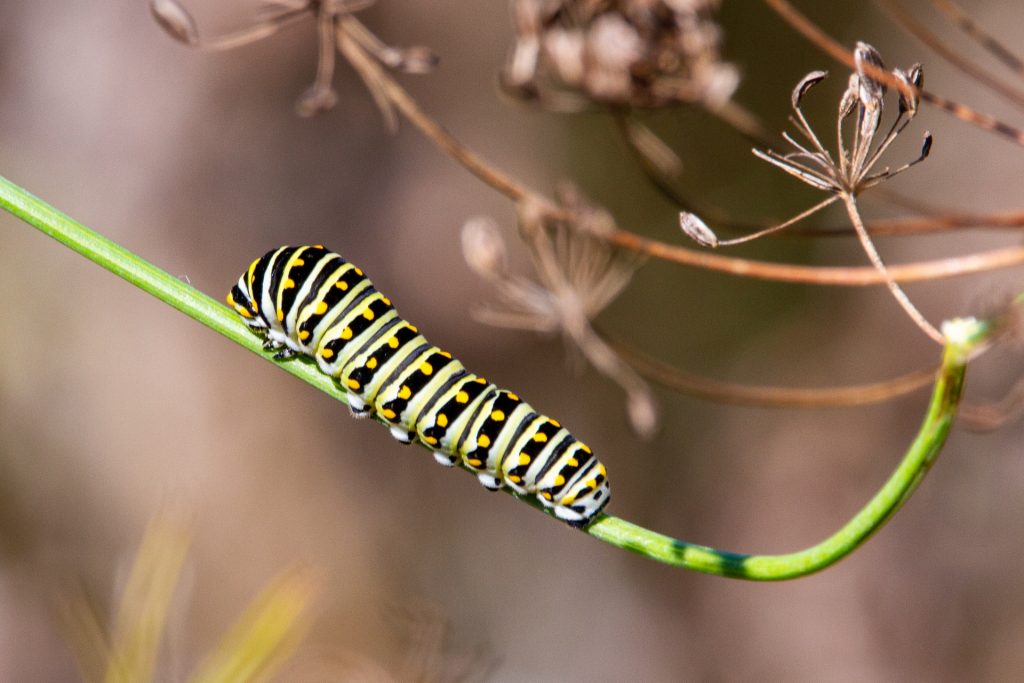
113,405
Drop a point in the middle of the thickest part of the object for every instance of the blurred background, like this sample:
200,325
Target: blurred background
113,405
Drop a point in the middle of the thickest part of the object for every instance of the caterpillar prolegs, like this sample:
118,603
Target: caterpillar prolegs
308,300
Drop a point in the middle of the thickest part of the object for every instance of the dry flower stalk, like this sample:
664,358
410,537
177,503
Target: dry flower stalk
852,170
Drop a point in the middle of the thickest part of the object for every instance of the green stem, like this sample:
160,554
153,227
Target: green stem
962,337
148,278
896,491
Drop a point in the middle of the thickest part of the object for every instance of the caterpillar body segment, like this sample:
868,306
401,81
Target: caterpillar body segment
308,300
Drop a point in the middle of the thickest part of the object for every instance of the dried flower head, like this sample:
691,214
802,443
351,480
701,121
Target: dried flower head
578,275
570,54
865,95
335,24
854,171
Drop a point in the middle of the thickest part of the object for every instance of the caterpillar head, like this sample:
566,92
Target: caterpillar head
243,304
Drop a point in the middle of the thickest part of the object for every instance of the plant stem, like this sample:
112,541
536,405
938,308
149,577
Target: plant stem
962,338
901,297
150,279
893,494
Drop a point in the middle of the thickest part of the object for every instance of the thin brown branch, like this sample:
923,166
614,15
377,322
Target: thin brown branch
914,225
666,375
402,101
986,417
834,49
959,18
820,275
938,46
518,192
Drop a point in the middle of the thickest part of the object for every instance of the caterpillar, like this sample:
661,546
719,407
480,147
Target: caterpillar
309,301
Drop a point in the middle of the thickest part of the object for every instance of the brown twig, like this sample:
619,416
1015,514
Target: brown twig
473,162
938,46
967,25
518,192
662,373
834,49
820,275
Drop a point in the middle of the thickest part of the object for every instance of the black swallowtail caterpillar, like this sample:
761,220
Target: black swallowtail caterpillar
308,300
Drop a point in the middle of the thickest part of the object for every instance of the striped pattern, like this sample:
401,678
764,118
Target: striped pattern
310,301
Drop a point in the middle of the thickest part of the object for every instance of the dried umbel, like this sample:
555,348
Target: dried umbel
578,276
572,54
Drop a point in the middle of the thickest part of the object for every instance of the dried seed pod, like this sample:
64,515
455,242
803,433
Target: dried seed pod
175,20
637,53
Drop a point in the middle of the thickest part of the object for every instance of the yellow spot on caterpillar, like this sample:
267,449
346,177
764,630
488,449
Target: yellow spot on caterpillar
483,441
559,480
555,423
405,392
585,448
368,314
498,416
514,479
513,396
540,437
321,308
431,440
358,271
473,462
231,300
280,315
346,333
244,313
414,329
298,262
480,380
573,462
462,397
385,300
327,353
393,342
372,363
601,469
304,335
445,354
426,368
568,500
353,383
289,284
388,414
592,484
524,459
318,246
442,420
341,284
546,495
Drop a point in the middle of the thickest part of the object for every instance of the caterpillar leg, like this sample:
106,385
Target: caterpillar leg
489,481
570,516
402,434
445,459
357,406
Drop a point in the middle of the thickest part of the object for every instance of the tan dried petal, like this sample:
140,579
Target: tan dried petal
175,20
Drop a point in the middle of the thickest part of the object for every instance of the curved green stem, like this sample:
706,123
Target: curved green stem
962,337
